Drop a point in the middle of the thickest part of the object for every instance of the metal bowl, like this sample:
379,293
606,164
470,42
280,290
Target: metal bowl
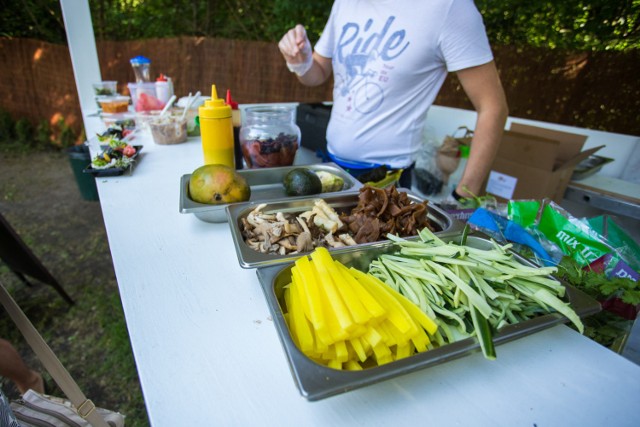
250,258
316,381
266,184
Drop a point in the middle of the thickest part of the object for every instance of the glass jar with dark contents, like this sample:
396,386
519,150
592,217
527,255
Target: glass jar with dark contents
269,136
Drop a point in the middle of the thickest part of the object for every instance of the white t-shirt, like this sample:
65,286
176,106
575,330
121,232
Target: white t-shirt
390,58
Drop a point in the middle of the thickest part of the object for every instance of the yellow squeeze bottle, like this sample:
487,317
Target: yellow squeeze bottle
216,129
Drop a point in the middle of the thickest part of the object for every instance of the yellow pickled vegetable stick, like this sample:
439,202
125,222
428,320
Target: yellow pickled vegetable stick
297,277
355,307
425,321
333,297
311,291
346,319
358,348
369,302
352,365
396,314
302,325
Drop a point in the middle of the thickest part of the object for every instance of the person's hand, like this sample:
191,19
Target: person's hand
296,50
455,201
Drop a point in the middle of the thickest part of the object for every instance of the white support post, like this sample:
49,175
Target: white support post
84,56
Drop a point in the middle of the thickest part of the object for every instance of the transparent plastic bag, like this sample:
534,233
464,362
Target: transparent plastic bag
429,179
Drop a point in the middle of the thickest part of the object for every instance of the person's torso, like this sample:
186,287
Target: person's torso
388,67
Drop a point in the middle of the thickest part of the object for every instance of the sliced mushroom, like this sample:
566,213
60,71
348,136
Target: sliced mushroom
347,239
304,242
333,242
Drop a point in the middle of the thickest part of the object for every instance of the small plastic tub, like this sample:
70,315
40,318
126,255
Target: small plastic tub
106,88
168,130
124,120
193,129
143,118
114,104
135,89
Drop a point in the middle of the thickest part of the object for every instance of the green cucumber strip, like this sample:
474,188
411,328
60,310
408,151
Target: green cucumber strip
483,333
474,298
545,296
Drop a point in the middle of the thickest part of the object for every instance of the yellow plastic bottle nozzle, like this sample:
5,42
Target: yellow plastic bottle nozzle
214,108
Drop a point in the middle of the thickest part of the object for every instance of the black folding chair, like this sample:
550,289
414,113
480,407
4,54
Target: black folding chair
22,262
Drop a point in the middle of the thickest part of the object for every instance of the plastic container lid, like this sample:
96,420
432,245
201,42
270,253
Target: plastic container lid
112,98
140,60
214,108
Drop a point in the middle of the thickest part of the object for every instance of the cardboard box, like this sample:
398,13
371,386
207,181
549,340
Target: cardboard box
535,163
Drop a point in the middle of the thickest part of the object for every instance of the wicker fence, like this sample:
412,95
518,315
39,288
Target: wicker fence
593,90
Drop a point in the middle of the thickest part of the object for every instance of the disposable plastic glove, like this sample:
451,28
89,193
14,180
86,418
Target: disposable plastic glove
296,49
461,202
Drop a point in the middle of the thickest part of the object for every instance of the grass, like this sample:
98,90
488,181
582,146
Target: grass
39,197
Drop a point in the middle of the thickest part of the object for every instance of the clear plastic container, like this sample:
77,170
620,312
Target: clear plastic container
113,104
269,136
141,68
144,117
168,130
106,88
139,88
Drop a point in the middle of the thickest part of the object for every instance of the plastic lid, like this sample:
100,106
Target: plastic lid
233,104
214,108
162,78
140,60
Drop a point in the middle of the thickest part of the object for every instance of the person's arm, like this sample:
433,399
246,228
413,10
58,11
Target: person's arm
482,86
312,69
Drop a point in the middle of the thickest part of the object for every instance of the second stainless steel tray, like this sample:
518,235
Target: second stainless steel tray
266,184
251,258
317,382
589,166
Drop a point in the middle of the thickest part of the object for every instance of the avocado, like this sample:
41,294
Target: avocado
330,182
301,182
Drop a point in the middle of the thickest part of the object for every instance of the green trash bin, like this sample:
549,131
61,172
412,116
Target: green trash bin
80,158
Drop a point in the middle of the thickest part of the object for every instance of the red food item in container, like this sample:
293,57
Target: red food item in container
148,103
268,153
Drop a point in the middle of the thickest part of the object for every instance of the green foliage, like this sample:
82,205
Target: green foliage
43,134
6,127
570,24
21,136
233,19
67,137
24,132
598,285
36,19
606,328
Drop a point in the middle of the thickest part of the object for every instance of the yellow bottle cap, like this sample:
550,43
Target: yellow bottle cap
214,108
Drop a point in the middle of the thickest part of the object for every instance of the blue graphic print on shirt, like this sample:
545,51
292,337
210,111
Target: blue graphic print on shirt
365,54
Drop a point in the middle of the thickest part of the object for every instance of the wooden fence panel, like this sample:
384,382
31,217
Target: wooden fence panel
597,90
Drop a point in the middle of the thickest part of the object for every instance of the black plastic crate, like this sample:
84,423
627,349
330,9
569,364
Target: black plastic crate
312,119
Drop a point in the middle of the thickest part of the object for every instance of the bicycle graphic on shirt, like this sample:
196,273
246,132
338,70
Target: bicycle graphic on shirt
366,95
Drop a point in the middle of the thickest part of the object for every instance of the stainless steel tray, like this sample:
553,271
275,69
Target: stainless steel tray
589,166
250,258
317,382
266,184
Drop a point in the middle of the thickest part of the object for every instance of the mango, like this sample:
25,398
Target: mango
218,184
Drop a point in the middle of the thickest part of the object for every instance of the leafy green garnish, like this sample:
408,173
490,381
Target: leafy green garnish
605,328
598,285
